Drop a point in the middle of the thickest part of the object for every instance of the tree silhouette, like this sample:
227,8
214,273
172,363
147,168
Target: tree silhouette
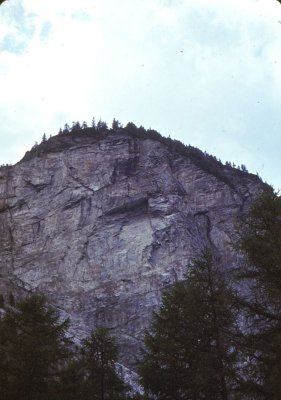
101,126
93,123
116,124
75,126
33,348
66,128
260,242
189,350
99,355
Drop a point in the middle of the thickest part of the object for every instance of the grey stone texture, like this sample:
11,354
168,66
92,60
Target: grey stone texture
102,226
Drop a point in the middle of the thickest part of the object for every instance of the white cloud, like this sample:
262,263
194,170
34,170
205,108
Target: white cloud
205,71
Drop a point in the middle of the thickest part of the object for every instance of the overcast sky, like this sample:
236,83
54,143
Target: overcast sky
206,72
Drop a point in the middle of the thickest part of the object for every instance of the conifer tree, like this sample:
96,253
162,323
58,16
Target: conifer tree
131,127
260,299
66,128
71,380
190,348
116,124
33,348
244,168
75,126
101,126
99,355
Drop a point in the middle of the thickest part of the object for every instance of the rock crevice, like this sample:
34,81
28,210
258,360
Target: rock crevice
103,226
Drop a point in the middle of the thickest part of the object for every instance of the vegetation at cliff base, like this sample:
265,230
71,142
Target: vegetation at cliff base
38,360
260,299
190,348
99,354
209,341
211,338
33,348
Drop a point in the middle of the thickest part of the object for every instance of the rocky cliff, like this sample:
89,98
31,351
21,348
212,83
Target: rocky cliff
102,222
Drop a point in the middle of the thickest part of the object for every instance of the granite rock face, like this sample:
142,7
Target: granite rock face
101,226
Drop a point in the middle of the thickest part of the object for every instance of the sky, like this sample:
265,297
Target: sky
205,72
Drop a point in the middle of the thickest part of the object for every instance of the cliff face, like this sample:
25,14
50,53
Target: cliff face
101,226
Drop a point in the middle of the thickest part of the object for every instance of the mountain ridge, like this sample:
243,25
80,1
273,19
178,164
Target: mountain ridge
102,224
67,139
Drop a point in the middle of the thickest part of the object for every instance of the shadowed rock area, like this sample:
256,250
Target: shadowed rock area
102,222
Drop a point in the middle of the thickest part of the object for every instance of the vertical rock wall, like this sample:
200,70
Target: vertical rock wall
101,227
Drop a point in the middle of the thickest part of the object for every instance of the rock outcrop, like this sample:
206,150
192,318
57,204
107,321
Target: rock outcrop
102,223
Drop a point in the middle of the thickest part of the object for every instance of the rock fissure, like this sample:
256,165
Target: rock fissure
102,225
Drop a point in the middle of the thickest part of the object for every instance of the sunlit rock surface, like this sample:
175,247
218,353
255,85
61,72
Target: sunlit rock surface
101,226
